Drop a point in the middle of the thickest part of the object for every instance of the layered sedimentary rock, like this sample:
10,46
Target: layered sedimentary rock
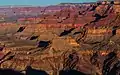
98,20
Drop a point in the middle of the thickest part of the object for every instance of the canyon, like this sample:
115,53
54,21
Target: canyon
85,28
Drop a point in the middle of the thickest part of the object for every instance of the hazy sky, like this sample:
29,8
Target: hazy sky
39,2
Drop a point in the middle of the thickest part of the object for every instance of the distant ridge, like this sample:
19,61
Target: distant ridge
80,3
9,6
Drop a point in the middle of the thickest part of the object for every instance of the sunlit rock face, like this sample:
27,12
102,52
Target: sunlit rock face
117,6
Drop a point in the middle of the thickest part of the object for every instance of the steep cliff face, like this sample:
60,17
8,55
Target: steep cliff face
97,18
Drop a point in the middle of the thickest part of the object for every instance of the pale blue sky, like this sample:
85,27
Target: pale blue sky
39,2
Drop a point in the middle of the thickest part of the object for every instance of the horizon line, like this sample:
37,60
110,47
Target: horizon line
44,5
